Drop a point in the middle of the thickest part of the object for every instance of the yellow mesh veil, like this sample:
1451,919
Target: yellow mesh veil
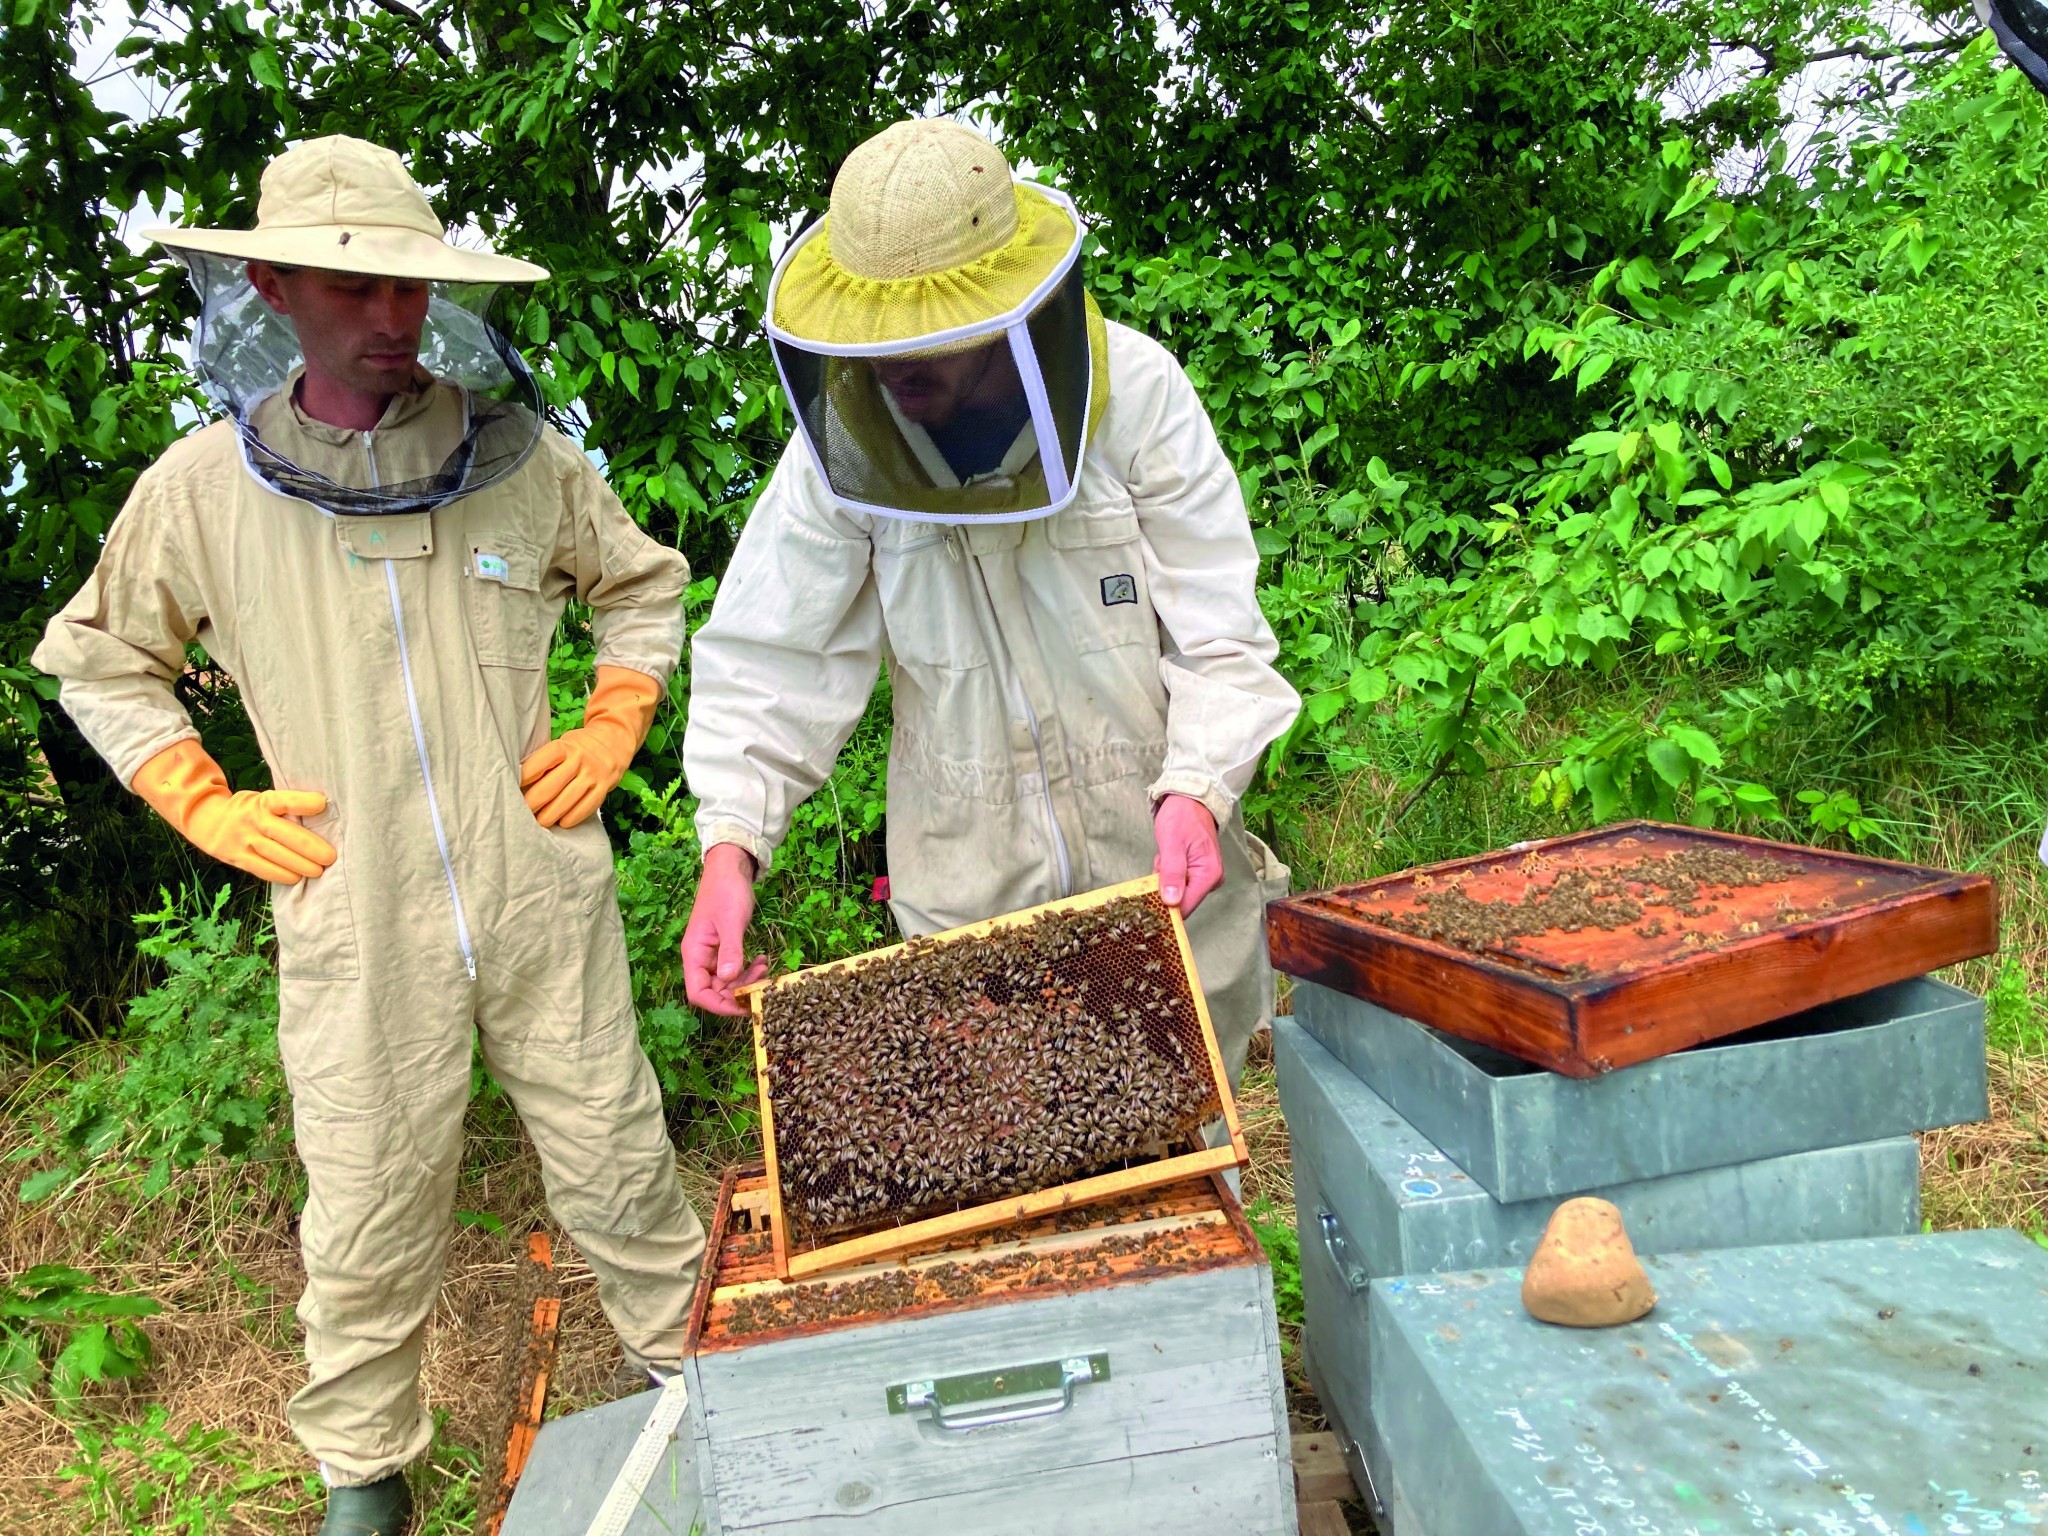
837,334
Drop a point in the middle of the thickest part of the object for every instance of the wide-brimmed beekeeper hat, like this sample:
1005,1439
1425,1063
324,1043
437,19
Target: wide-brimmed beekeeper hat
931,247
343,205
346,205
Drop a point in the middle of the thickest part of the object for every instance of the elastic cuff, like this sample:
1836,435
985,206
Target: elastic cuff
334,1477
1218,801
134,756
655,664
740,836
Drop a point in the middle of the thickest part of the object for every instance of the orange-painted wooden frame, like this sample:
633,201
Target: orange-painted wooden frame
543,1329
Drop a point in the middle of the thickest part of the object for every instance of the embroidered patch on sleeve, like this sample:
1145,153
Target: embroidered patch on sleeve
1119,589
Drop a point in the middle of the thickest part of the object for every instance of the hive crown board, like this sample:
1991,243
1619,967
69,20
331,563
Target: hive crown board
1150,1374
1606,948
1877,1387
1901,1058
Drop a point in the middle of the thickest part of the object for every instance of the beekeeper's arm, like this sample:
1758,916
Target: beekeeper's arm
634,586
115,649
1225,701
779,677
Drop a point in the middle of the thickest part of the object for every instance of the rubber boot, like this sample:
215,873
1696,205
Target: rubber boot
382,1508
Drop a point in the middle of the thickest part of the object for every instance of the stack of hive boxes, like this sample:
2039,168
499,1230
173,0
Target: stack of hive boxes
1417,1153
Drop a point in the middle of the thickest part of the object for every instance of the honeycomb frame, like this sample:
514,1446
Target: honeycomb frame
794,1261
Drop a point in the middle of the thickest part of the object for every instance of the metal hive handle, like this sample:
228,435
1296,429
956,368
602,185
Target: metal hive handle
1349,1270
1008,1396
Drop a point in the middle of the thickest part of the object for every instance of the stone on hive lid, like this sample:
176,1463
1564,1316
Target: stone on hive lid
1585,1273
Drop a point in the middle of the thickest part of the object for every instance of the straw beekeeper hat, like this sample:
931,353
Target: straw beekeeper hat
926,233
344,205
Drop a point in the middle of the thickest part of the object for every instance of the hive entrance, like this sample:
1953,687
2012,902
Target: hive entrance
1064,1045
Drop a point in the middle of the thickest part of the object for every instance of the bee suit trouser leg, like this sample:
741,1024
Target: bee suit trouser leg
380,1074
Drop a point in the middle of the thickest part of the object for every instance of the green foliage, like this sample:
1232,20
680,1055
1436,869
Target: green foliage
1785,486
446,1496
812,907
196,1072
1410,264
2015,1019
54,1323
1276,1234
33,1028
143,1479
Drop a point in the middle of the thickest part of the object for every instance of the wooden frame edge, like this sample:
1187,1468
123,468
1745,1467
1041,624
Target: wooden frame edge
707,1269
999,1213
1225,1098
1102,896
778,1234
544,1323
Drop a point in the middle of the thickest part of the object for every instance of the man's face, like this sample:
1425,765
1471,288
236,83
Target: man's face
929,390
361,332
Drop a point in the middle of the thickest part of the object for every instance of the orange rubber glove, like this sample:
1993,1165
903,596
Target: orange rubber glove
569,777
252,829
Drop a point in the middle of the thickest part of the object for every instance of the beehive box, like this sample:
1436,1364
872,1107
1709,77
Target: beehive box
1375,1200
1111,1370
976,1077
1616,946
1882,1385
1902,1058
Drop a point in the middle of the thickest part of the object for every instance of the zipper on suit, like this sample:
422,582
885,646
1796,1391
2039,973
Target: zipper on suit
419,740
1052,816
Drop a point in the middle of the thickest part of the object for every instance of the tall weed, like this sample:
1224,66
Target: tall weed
195,1071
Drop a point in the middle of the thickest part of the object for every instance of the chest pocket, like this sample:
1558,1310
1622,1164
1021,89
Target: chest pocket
506,608
1097,548
930,600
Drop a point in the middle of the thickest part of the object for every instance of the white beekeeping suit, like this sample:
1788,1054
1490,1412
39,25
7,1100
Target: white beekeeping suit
1071,636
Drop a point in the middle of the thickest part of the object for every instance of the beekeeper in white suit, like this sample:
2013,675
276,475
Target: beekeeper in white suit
1025,510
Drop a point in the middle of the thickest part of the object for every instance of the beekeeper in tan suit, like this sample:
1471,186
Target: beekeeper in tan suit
378,552
1083,682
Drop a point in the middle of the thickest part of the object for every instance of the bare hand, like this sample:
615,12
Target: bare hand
715,938
1190,862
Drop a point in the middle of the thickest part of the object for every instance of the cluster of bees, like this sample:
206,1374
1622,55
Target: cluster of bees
949,1074
527,1356
1578,898
897,1290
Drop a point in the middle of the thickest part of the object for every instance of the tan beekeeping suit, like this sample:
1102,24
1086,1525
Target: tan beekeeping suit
397,664
1051,679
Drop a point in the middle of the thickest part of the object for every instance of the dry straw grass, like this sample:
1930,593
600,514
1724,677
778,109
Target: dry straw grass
1995,1173
222,1258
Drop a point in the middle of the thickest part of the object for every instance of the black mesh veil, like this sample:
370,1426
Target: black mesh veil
2021,27
876,460
244,351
